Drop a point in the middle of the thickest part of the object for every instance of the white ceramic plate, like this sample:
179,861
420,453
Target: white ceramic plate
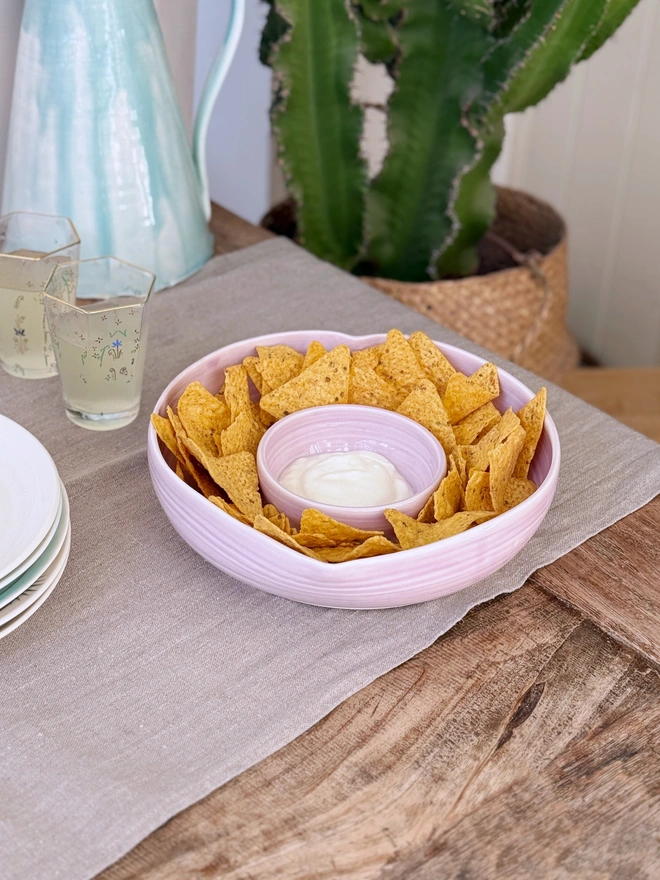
40,567
34,556
35,603
29,494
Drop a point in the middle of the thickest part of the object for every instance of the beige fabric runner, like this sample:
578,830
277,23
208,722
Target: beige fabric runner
149,678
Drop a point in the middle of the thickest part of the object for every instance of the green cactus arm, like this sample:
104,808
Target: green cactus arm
480,11
430,145
615,14
508,14
377,40
381,10
274,29
524,66
539,53
474,210
318,128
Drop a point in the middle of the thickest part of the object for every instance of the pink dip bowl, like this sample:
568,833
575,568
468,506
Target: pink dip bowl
403,578
413,451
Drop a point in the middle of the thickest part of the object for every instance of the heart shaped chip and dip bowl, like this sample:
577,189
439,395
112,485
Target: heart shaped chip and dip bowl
400,578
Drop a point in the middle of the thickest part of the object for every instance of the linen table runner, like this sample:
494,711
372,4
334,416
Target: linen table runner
150,678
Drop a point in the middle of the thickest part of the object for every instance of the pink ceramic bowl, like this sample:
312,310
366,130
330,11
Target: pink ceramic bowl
413,451
403,578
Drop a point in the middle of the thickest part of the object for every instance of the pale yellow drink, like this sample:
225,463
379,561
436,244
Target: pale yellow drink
96,315
26,349
100,357
31,247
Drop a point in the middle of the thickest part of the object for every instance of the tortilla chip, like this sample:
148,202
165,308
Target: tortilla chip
325,382
165,432
477,492
427,513
313,522
457,463
243,435
424,405
193,467
463,396
265,418
315,542
398,363
448,496
487,376
517,490
264,525
236,474
532,417
178,470
368,357
236,390
473,427
432,360
378,545
253,369
229,508
279,364
476,457
502,461
281,520
315,351
411,533
366,387
202,416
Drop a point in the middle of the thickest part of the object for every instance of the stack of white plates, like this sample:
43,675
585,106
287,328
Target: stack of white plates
35,529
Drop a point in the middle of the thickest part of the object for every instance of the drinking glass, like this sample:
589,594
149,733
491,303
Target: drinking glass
30,245
96,313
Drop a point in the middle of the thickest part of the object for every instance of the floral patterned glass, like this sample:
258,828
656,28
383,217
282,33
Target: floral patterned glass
30,246
96,314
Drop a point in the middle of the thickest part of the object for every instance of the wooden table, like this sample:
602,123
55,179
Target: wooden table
525,743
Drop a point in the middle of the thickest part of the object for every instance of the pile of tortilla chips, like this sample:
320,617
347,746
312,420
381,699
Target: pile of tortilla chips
214,438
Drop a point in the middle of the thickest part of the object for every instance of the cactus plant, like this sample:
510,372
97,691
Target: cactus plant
458,67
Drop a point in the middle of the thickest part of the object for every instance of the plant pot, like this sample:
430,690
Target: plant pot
517,311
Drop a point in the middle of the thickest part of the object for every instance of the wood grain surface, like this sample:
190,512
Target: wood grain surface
525,743
233,233
614,580
631,395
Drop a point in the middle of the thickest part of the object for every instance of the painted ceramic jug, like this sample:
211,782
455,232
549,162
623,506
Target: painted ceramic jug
96,133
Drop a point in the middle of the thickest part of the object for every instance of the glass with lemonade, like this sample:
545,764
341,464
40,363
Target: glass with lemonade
31,245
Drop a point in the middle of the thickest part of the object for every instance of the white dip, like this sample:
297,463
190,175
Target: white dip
346,479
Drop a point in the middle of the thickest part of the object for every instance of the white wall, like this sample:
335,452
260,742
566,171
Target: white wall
178,21
238,146
592,149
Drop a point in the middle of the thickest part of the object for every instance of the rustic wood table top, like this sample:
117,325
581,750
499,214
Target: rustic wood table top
525,743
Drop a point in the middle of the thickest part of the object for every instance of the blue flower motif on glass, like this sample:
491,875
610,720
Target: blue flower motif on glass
116,349
19,331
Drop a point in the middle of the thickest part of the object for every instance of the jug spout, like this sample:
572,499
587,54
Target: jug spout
209,96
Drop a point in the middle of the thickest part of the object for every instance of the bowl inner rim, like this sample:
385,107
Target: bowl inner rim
375,418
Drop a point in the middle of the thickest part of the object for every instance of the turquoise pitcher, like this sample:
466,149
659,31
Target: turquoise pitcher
96,133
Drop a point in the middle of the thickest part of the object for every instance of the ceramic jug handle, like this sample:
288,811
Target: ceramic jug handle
212,86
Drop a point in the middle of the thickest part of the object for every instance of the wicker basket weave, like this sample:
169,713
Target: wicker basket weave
519,312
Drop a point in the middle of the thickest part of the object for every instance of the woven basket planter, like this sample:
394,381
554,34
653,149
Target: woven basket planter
520,312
